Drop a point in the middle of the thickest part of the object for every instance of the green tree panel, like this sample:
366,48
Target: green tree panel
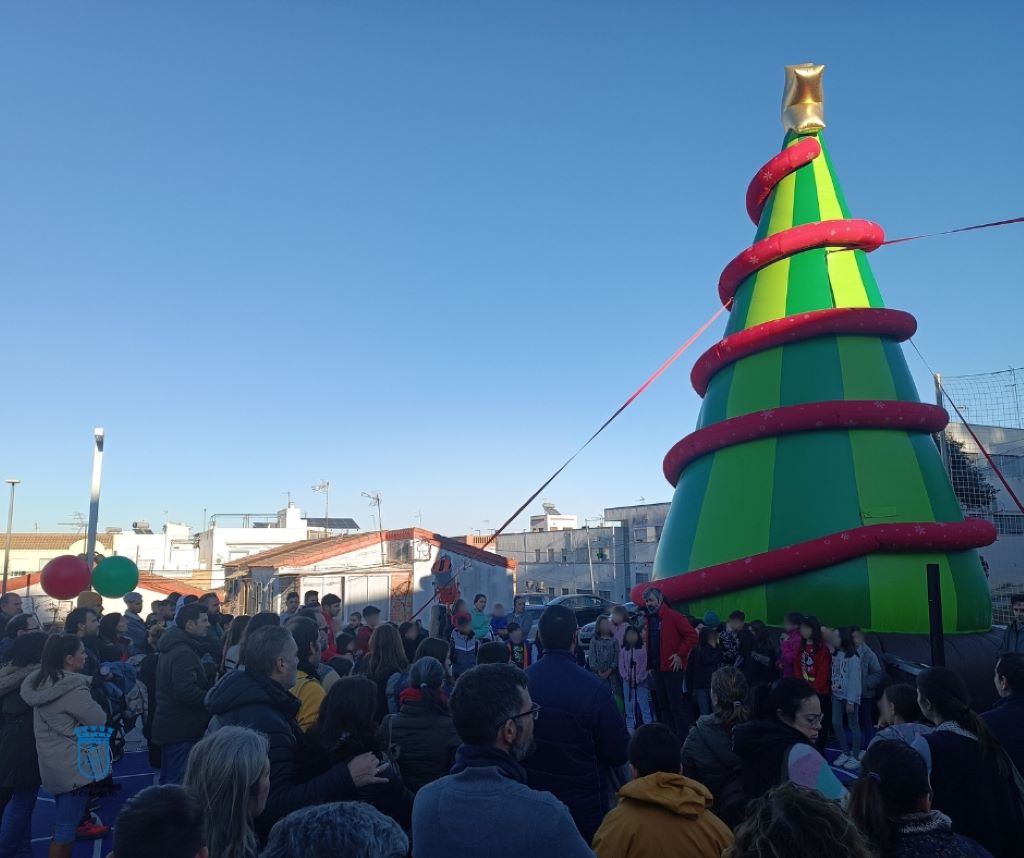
899,592
676,545
889,482
838,594
755,383
865,369
811,372
736,516
815,493
943,500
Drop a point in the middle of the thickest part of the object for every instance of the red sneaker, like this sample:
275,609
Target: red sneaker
90,830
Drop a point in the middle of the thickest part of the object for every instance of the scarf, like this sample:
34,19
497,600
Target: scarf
415,695
930,822
482,756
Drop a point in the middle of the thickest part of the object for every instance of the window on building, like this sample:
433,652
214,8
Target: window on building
551,555
536,555
584,592
639,534
565,556
642,577
551,591
657,532
605,594
565,591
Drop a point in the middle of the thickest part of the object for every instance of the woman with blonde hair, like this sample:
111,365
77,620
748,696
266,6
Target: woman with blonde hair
229,773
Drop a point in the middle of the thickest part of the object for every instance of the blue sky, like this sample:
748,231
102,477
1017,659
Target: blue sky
427,247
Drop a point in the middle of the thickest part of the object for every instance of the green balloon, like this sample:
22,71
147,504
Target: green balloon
115,576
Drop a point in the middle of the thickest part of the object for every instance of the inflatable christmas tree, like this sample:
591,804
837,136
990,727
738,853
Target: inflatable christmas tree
812,482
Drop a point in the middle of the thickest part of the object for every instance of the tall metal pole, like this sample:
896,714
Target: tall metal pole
943,441
590,560
10,522
94,498
936,635
380,524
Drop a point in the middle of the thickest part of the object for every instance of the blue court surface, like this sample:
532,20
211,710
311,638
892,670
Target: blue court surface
131,774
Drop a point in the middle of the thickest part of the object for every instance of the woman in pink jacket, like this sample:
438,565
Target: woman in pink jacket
633,670
790,644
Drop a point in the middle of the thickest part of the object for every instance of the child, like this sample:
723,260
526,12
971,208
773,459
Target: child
518,649
899,715
846,685
872,674
763,656
736,641
789,645
464,647
481,619
704,661
499,624
633,671
620,622
815,668
604,655
459,609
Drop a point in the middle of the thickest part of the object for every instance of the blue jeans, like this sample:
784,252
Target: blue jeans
634,696
70,810
703,700
173,759
16,829
849,745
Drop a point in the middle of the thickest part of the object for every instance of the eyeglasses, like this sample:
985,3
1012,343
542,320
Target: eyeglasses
533,711
813,720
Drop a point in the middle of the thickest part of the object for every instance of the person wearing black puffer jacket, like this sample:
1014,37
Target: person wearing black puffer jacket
19,772
257,697
422,735
181,686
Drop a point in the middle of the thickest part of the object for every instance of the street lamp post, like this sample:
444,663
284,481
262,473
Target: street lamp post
94,498
10,522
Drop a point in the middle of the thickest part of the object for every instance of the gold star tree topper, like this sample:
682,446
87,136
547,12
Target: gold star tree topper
803,102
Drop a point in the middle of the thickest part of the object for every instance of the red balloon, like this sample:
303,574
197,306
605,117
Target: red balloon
65,577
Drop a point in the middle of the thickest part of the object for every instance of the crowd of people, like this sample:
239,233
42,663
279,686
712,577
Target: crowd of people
277,734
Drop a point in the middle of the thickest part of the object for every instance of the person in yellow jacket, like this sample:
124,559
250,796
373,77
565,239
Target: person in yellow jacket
661,812
307,685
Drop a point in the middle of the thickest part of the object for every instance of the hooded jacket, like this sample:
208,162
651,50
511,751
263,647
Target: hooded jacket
245,699
181,687
662,814
58,709
19,765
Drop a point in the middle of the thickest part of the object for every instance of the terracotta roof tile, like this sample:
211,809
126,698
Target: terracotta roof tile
310,551
55,541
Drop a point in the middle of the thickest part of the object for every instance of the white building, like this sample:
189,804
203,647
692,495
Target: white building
552,520
231,537
393,570
608,559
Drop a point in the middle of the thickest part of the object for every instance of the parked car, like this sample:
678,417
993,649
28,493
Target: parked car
587,631
587,608
534,612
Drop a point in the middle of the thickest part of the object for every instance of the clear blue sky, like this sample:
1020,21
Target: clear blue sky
426,248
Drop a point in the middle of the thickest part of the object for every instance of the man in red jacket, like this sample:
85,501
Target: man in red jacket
669,637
